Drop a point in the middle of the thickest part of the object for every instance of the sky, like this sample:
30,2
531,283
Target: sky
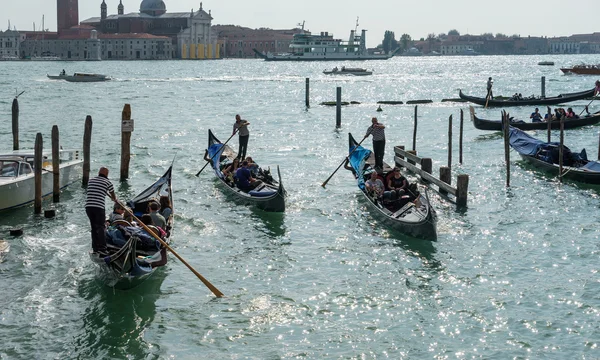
416,18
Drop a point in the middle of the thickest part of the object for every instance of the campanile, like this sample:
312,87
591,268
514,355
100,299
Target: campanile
67,12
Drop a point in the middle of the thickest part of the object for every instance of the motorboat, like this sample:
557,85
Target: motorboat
546,63
582,70
17,182
413,51
348,71
80,77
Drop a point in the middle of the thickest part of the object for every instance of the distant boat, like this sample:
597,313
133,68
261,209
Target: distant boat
80,77
468,52
546,63
582,70
413,51
569,123
348,71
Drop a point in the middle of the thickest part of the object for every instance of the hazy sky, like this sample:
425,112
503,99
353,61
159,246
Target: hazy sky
416,18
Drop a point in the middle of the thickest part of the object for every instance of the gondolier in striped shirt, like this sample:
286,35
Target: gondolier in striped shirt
241,126
97,190
378,132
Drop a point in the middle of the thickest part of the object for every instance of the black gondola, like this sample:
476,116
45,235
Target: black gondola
129,265
570,123
417,219
546,156
560,99
269,196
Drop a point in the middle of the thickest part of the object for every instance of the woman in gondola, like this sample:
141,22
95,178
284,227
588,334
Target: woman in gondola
229,171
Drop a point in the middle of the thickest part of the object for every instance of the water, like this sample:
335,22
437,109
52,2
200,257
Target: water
513,276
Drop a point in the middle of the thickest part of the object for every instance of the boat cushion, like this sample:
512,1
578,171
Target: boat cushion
261,193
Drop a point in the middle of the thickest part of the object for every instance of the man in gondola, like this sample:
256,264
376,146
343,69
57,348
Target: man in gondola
490,83
97,190
377,130
597,89
241,126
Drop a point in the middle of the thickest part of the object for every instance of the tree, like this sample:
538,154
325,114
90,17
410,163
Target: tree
389,41
453,32
487,35
501,36
406,40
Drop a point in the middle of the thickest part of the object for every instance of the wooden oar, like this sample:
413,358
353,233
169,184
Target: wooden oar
487,98
587,106
346,159
206,282
211,159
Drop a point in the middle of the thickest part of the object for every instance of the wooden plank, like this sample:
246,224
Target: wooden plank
414,169
398,151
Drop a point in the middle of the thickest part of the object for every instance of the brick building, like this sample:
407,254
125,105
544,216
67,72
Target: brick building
239,42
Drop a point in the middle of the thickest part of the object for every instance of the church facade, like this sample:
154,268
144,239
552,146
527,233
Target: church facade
190,32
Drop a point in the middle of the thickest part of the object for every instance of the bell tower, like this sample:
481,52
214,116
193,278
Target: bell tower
103,10
120,8
67,12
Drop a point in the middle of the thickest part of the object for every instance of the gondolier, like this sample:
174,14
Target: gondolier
490,83
241,126
378,132
97,190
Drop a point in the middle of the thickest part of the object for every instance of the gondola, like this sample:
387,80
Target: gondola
545,155
269,196
560,99
129,265
496,125
417,219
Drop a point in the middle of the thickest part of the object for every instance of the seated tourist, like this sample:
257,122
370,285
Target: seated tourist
252,166
398,182
165,207
149,221
536,116
375,187
244,179
117,214
157,218
230,170
571,114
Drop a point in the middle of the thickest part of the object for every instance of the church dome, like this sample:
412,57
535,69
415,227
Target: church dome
153,7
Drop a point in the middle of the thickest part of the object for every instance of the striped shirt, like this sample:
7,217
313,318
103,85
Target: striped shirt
97,190
243,129
377,132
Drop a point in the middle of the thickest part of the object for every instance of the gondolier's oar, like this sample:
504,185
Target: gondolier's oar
487,98
339,166
587,106
206,282
211,159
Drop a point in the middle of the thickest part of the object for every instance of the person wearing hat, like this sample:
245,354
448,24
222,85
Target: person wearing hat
490,82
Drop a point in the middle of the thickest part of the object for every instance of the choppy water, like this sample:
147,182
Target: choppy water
513,276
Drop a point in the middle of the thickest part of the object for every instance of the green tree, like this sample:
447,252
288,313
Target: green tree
453,32
406,41
501,36
389,41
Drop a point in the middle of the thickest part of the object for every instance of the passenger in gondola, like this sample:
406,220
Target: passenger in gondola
148,220
230,170
571,114
398,183
157,218
536,116
244,179
165,207
117,214
376,188
252,166
597,89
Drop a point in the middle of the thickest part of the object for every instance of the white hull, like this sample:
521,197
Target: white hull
20,191
328,57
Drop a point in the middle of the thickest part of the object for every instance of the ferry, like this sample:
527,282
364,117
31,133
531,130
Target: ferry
348,71
308,47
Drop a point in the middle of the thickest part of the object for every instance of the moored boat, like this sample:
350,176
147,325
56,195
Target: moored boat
269,196
414,216
546,63
582,70
129,265
560,99
17,181
79,77
348,71
569,123
546,156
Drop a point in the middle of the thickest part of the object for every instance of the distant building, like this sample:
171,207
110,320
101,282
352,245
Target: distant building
10,42
460,47
563,45
531,45
239,42
67,12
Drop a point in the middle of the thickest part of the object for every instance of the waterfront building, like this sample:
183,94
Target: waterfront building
563,45
460,47
239,42
10,41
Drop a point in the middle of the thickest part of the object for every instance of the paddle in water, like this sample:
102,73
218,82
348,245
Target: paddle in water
346,159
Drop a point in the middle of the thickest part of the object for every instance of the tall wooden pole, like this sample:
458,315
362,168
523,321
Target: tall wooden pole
415,131
87,140
125,144
15,123
306,96
560,149
598,146
505,126
549,120
338,107
460,138
543,87
37,173
55,165
450,142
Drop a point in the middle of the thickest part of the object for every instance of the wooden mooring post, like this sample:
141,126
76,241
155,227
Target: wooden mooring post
549,120
460,138
450,141
598,146
561,149
411,162
338,107
125,141
87,140
306,95
15,123
543,87
37,173
414,147
505,125
55,165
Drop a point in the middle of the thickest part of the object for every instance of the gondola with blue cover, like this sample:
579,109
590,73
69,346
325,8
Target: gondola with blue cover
416,218
269,196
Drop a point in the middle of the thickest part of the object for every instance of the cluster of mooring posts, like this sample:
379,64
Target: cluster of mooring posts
126,129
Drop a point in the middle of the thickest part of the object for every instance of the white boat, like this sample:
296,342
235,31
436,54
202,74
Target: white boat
413,51
9,58
79,77
308,47
17,183
468,52
348,71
